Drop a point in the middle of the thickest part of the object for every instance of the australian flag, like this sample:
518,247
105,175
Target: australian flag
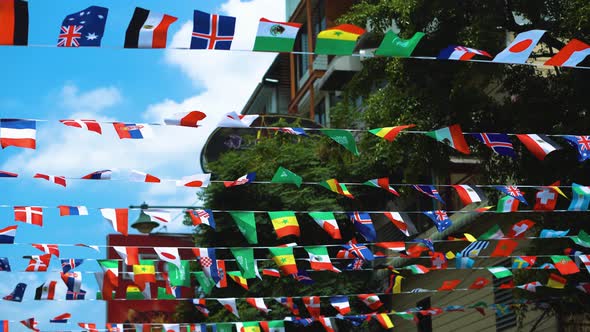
500,143
212,31
440,219
4,264
70,263
582,143
17,294
429,191
303,277
513,191
84,28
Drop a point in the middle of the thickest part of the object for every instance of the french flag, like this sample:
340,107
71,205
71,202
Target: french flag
99,175
65,210
190,119
4,174
18,132
7,235
539,145
119,218
59,180
90,125
132,130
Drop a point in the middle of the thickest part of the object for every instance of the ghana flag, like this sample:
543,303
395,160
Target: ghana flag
339,40
14,22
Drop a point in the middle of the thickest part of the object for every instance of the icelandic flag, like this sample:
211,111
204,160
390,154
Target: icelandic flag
429,191
364,225
582,143
462,53
202,217
7,235
73,295
212,31
84,28
99,175
72,210
440,219
18,132
512,191
133,130
208,262
4,174
354,250
73,281
4,264
70,263
500,143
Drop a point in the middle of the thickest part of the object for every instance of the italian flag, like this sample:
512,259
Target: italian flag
275,36
418,269
451,136
507,204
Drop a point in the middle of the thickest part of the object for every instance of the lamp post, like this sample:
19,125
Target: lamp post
144,223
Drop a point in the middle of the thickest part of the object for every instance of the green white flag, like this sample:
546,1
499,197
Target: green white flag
275,36
284,175
493,233
179,276
393,45
245,259
225,327
342,137
273,325
246,222
582,239
162,295
205,282
500,272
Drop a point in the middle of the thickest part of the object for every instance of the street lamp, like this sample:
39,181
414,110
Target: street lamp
144,223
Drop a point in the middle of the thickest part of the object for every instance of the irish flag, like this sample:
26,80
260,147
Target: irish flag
451,136
275,36
339,40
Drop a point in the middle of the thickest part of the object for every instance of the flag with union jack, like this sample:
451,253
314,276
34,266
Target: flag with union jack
582,143
84,28
212,31
440,219
500,143
512,191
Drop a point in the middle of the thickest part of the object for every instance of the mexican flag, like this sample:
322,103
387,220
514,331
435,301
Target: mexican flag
451,136
275,36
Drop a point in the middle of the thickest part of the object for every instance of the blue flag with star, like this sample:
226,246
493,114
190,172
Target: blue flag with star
84,28
4,264
440,219
582,143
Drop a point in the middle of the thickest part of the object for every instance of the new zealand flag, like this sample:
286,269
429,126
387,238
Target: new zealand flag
4,264
84,28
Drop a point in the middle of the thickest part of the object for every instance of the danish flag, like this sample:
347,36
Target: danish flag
51,249
29,214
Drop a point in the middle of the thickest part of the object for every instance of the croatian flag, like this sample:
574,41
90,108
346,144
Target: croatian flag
18,132
212,31
73,210
462,53
99,175
90,125
133,130
190,119
208,262
7,235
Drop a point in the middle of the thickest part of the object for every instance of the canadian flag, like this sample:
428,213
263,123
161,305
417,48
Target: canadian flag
169,255
29,214
128,254
546,198
59,180
118,217
38,263
51,249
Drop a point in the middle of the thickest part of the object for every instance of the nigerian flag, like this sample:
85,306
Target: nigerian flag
275,36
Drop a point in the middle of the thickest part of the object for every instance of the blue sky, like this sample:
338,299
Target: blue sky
110,83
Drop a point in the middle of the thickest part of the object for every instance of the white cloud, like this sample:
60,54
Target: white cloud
92,101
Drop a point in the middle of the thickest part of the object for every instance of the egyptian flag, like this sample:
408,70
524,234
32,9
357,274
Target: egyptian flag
539,145
14,15
148,29
469,194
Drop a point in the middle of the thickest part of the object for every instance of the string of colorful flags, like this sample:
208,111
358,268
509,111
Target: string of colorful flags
22,133
148,29
343,309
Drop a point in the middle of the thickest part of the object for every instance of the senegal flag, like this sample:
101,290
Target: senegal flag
275,36
239,279
339,40
283,257
134,293
144,273
285,223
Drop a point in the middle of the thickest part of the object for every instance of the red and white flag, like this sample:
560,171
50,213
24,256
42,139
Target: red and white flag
271,273
539,145
51,249
129,255
521,47
234,120
137,176
585,260
29,214
469,194
371,300
119,218
258,303
90,125
90,327
312,304
168,254
571,55
327,323
171,327
546,198
190,119
398,220
230,305
518,229
195,181
38,263
158,215
59,180
30,323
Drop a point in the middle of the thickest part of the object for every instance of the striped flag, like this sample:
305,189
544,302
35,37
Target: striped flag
59,180
90,125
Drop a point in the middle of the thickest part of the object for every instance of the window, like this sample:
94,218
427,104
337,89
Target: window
302,60
504,298
320,113
424,322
